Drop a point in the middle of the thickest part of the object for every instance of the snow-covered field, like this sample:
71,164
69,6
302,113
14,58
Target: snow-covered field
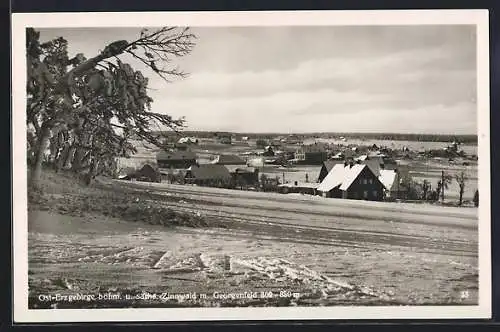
305,250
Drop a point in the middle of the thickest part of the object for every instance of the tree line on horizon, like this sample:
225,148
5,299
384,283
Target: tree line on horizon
464,139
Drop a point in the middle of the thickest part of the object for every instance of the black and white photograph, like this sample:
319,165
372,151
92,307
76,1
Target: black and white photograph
211,166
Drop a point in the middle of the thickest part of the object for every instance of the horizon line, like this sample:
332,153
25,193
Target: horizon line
323,132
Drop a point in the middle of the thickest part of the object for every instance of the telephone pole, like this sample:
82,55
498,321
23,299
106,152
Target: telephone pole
442,186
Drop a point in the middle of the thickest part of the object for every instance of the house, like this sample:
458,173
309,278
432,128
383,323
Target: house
268,151
300,156
146,174
352,181
243,176
228,159
175,159
392,181
327,166
377,162
374,163
313,154
212,175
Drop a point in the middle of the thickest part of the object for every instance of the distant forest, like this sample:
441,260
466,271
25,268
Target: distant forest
466,139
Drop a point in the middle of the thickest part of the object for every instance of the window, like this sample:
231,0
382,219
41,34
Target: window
370,181
375,193
365,194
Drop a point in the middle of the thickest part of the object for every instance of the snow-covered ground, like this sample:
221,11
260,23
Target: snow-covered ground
319,251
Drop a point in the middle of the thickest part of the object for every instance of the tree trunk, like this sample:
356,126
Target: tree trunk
68,163
63,156
43,140
92,171
78,159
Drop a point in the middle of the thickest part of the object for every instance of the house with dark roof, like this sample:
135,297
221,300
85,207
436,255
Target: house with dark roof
146,174
352,181
175,159
312,154
243,176
375,164
212,175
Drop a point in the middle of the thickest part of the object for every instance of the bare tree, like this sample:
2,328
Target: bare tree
461,178
426,186
444,184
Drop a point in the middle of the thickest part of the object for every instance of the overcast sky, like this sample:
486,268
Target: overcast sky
419,79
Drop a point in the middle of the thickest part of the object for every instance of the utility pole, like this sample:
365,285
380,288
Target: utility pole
442,186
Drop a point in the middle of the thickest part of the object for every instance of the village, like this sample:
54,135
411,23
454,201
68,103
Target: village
328,168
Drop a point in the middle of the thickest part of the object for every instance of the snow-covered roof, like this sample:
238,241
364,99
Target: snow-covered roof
351,175
334,178
187,140
387,178
339,155
361,158
341,176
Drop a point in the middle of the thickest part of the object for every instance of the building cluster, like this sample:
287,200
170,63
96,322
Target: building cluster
366,177
182,166
345,174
